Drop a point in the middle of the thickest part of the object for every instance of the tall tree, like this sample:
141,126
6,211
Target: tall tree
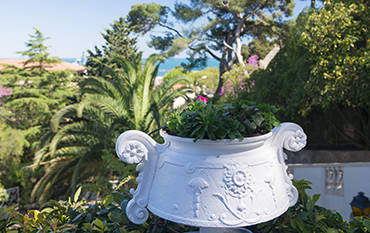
228,23
119,41
37,52
125,100
322,72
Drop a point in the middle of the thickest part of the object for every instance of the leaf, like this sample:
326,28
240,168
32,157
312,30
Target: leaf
98,224
88,218
118,198
331,230
108,200
257,118
251,126
124,205
315,197
88,226
115,217
221,132
77,194
78,217
300,224
320,217
293,223
124,181
366,223
2,224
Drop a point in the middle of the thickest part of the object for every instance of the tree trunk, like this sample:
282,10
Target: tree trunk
238,49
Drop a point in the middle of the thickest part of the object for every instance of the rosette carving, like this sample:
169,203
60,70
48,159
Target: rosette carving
133,152
237,179
296,141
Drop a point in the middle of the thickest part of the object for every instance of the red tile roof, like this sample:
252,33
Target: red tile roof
58,66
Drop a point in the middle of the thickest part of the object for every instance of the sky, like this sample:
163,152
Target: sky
73,26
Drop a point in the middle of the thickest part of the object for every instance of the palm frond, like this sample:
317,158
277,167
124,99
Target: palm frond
68,111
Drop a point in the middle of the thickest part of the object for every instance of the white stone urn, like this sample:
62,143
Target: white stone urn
219,184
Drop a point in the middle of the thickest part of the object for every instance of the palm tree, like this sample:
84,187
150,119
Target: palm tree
81,133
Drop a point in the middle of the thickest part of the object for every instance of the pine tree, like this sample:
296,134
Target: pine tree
37,53
227,23
118,42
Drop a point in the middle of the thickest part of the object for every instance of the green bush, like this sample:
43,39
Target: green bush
108,215
236,84
207,78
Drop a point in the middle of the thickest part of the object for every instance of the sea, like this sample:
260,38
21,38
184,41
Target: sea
168,64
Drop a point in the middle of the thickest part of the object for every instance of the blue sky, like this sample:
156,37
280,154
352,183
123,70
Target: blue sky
73,26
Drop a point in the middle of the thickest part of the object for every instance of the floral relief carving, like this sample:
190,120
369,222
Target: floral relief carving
133,152
238,192
297,140
237,179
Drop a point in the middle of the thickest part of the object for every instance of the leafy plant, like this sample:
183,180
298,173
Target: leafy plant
306,216
229,121
237,82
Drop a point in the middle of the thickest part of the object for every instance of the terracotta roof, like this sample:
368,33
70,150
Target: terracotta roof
58,66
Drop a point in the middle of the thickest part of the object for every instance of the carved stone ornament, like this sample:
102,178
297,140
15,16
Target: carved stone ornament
212,184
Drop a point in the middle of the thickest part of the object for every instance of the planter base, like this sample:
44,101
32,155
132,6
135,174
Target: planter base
222,230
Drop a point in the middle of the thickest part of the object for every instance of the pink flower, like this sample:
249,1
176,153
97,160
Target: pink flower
204,99
5,92
223,91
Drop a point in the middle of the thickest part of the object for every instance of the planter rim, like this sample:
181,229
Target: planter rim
246,140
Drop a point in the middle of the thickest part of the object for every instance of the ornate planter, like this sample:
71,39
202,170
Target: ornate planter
212,184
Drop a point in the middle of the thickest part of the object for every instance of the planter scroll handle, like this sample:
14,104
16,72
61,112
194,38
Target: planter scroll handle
291,137
137,147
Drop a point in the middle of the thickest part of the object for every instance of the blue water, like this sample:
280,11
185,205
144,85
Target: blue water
171,63
168,64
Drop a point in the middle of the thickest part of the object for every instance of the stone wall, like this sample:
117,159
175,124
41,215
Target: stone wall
327,156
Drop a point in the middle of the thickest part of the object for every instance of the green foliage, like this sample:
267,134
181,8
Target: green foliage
118,42
338,39
227,23
207,77
321,75
107,215
36,96
37,53
80,147
177,71
237,120
237,83
145,16
25,113
360,224
259,47
11,151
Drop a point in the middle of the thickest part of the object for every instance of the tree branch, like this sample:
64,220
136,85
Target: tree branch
261,20
172,29
228,46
